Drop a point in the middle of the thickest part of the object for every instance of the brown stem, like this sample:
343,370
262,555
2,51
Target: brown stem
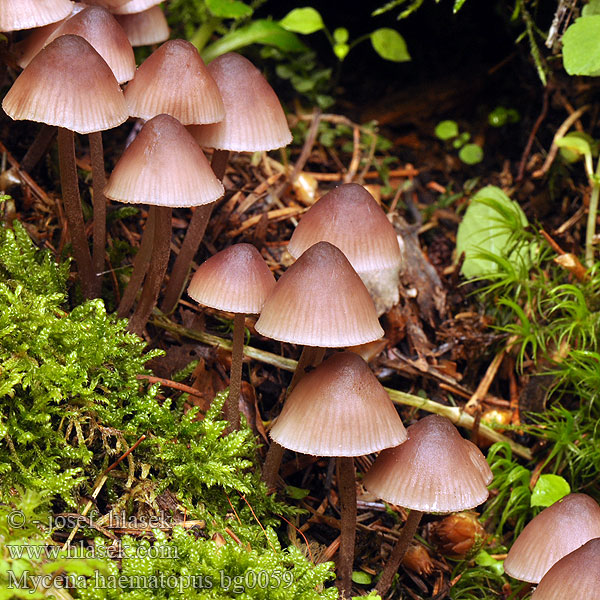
141,263
192,240
158,267
232,407
38,147
272,464
311,357
72,203
347,491
398,552
99,204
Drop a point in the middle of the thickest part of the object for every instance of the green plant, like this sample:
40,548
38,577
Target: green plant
469,153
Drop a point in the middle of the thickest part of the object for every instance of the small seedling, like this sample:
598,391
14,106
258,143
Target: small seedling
469,153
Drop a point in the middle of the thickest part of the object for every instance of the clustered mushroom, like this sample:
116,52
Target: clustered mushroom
80,56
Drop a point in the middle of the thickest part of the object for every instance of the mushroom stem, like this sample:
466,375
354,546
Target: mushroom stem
272,464
347,492
232,407
38,147
72,203
311,356
140,267
192,240
158,267
398,552
99,204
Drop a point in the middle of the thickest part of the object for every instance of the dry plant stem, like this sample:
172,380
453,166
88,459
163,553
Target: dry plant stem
455,413
158,267
192,240
398,552
38,147
141,263
232,407
311,356
99,204
347,491
72,203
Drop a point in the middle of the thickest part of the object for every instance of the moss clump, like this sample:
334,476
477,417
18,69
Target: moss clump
71,404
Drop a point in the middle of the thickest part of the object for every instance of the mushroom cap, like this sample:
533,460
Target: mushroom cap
29,46
236,279
174,80
436,470
163,166
320,301
25,14
254,119
576,575
134,6
339,409
112,5
350,218
70,85
101,30
555,532
145,28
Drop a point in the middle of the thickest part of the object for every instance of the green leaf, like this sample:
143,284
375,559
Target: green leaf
591,8
361,577
581,47
296,493
229,9
484,559
303,20
446,130
341,50
389,44
489,226
574,145
457,5
471,154
549,489
341,35
261,31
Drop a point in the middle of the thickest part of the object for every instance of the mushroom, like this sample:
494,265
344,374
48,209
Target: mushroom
146,27
173,80
26,14
576,575
253,121
436,470
69,84
350,218
555,532
341,410
237,280
319,302
163,167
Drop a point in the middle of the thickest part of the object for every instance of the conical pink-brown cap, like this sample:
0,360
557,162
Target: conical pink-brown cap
254,119
236,279
145,28
68,84
575,576
174,80
163,166
29,46
436,470
134,6
339,409
349,218
25,14
101,30
555,532
320,301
